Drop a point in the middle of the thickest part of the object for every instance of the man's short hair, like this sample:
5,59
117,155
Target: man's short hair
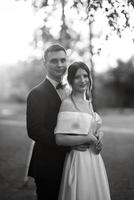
53,48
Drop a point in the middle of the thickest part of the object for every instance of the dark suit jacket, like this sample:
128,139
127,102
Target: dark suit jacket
43,105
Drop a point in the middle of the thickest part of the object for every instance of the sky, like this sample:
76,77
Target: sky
18,22
17,25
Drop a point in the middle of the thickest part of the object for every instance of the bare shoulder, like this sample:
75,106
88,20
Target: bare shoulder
67,105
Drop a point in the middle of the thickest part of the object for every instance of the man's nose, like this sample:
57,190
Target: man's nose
59,63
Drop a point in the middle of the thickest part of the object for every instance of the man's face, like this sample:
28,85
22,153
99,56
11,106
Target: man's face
56,65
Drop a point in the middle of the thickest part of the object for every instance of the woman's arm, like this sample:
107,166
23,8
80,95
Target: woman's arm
72,140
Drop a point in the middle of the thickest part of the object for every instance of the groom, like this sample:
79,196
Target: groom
43,105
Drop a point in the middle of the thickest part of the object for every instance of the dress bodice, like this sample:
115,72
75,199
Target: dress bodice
76,122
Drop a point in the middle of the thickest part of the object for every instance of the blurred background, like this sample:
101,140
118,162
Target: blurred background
100,33
96,32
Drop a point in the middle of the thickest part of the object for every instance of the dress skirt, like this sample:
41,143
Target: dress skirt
84,177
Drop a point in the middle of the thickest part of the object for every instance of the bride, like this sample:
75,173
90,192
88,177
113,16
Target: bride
84,175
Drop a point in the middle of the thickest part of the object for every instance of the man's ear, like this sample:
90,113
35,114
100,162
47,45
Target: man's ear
45,64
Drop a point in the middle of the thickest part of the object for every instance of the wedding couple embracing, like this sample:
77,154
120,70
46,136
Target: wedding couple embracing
66,163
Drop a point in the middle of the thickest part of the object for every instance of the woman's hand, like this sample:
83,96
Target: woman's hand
92,138
96,140
98,146
99,134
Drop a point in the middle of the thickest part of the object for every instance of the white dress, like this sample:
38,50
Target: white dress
84,175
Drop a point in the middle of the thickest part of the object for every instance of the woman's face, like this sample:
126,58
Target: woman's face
81,81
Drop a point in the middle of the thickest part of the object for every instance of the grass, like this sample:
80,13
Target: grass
14,146
119,161
117,153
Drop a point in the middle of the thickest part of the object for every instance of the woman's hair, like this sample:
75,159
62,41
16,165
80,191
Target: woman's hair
73,68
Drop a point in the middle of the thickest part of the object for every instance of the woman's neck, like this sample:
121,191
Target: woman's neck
79,96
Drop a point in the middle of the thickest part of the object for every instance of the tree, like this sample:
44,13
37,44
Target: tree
24,78
116,13
121,81
113,10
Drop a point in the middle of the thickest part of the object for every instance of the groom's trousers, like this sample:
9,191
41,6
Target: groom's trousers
46,189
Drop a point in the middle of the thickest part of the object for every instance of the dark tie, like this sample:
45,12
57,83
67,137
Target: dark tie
60,86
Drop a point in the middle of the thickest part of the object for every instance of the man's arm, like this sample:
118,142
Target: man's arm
36,111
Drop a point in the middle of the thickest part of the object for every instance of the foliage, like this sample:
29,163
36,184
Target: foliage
115,88
32,73
116,16
116,13
122,81
25,77
114,10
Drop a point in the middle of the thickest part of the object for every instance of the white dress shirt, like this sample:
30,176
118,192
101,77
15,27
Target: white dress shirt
63,93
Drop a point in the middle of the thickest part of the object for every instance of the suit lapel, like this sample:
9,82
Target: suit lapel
51,91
